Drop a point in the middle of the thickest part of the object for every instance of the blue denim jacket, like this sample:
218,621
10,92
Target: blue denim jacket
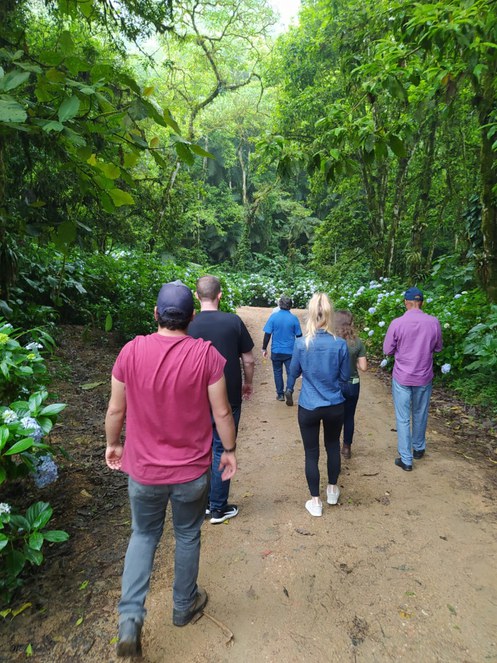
323,366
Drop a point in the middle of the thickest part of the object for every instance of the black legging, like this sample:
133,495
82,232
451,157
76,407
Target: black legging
309,422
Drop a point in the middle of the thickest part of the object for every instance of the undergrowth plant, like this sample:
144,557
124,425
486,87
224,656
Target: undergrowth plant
26,454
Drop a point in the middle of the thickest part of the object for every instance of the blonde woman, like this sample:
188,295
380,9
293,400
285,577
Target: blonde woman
323,361
344,327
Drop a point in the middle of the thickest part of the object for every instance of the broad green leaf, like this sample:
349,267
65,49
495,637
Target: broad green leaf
55,536
138,110
11,111
3,541
35,400
397,146
170,121
39,514
120,197
4,436
69,108
110,171
76,139
3,474
108,322
160,161
201,152
88,386
130,159
184,153
52,409
20,522
35,541
45,423
85,7
53,126
66,42
13,79
33,556
20,446
65,234
15,562
54,76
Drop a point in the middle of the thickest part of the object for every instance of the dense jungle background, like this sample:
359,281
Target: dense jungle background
141,141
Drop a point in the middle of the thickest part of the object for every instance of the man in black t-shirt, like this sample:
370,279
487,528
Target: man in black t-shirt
230,337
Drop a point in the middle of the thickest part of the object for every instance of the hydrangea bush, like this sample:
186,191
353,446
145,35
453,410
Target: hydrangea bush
26,454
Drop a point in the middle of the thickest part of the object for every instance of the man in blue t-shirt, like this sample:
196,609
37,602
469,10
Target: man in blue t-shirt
284,328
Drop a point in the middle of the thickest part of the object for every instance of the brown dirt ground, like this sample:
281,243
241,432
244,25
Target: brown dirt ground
404,568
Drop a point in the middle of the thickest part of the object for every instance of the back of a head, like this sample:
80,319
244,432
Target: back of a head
285,303
320,315
343,324
208,287
174,305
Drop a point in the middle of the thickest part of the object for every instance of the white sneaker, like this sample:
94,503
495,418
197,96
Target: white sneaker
332,496
314,509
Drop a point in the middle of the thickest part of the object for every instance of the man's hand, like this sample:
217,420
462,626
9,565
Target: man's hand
264,354
228,465
113,457
247,390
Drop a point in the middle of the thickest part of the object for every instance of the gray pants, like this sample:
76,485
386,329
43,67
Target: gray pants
148,512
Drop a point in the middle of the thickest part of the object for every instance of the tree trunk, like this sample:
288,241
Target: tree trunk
421,208
488,174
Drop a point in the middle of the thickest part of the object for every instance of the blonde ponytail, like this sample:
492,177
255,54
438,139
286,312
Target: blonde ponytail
319,317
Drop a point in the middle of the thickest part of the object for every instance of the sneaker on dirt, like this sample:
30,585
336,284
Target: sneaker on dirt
220,515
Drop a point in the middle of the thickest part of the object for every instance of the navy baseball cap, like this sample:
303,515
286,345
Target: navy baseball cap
175,299
413,295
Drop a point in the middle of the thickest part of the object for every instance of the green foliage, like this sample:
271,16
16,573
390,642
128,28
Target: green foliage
21,367
25,422
21,542
23,425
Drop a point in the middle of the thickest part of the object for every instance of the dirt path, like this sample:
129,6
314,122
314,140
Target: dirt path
404,568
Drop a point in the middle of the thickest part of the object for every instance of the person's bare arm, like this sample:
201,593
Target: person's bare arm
223,417
248,363
114,421
362,363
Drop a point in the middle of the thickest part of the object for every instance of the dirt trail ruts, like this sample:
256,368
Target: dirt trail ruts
404,568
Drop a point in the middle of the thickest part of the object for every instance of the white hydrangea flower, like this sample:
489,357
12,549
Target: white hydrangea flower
383,363
446,325
33,346
9,416
4,508
446,368
371,310
457,296
429,300
366,328
381,323
371,332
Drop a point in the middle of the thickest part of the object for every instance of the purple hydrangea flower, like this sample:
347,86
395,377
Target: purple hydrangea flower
46,471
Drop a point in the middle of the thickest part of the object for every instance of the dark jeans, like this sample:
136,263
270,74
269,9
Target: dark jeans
309,423
280,360
351,394
218,497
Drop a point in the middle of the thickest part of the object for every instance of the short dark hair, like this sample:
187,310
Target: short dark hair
285,303
173,321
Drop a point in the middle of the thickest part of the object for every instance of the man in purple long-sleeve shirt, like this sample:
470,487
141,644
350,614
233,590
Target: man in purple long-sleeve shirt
412,339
